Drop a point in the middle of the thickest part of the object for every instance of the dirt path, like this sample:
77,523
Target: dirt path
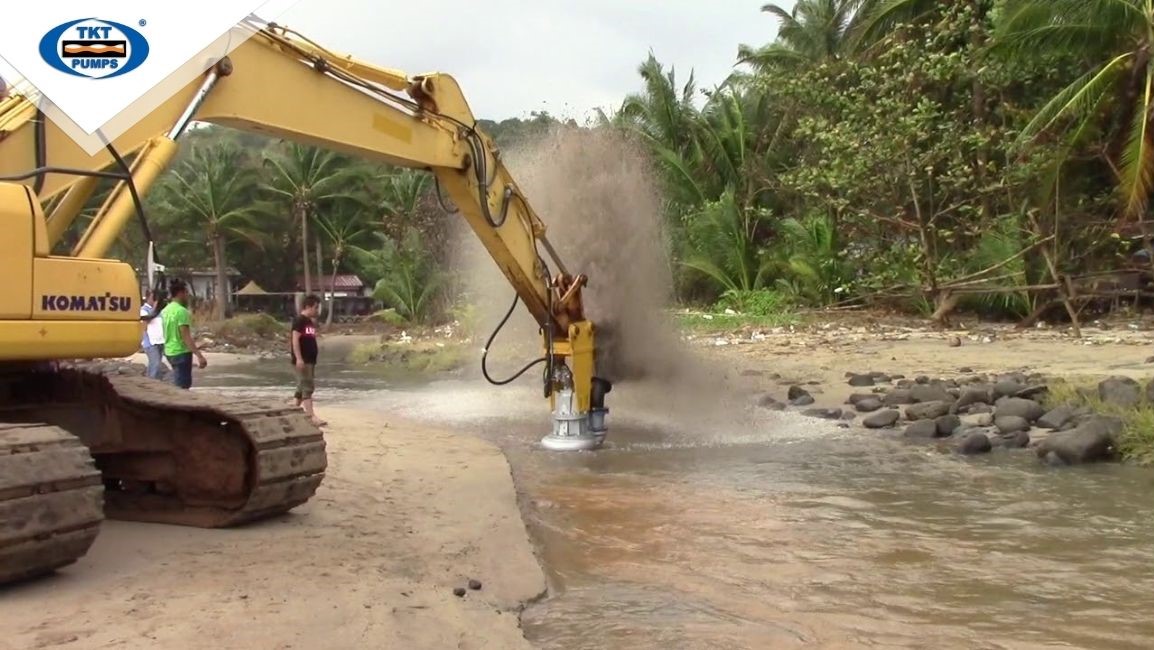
405,515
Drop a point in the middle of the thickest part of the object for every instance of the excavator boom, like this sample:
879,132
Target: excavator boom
164,454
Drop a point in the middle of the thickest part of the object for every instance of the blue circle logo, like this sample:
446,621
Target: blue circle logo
94,48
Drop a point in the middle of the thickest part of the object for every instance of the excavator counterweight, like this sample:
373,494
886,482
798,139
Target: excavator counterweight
81,438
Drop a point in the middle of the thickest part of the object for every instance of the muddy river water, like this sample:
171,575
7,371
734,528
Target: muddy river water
766,530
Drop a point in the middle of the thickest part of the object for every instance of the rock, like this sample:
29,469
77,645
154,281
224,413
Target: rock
882,419
1028,410
799,396
475,585
1056,418
898,397
1011,424
946,425
848,416
1018,440
861,380
974,443
930,394
868,405
977,420
857,397
904,384
768,402
897,377
955,342
823,414
922,379
1005,388
881,377
459,592
975,395
1120,391
965,370
977,408
1032,392
1091,441
922,429
927,410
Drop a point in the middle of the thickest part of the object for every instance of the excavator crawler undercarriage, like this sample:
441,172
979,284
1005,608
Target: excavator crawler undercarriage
79,437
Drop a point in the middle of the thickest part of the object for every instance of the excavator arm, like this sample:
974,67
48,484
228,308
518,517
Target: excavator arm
281,84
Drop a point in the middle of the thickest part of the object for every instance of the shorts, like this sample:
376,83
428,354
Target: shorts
305,384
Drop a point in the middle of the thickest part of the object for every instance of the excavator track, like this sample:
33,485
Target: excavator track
50,500
176,456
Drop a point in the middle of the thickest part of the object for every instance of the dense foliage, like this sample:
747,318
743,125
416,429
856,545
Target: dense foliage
913,153
908,151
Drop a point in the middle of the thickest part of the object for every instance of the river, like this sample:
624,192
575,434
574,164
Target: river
768,530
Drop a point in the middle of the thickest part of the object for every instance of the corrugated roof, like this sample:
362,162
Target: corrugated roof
329,283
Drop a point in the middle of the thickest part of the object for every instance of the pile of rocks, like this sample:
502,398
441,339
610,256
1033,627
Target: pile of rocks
979,413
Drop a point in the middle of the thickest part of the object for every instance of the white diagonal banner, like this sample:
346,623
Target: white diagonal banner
95,70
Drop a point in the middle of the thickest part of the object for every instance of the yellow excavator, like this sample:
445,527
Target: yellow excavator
81,439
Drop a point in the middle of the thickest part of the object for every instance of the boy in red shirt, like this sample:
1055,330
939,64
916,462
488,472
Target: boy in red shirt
303,348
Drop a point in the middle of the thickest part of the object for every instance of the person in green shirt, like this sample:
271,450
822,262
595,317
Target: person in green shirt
179,345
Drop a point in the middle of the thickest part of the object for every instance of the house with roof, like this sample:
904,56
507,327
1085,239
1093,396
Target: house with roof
345,285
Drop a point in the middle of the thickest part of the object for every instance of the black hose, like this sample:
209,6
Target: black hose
485,353
41,150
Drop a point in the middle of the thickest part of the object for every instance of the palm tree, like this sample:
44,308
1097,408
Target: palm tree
662,113
401,193
343,230
213,193
815,30
308,178
1116,36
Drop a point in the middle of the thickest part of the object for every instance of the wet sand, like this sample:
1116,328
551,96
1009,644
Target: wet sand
405,515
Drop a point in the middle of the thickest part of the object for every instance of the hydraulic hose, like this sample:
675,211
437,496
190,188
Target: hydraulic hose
485,352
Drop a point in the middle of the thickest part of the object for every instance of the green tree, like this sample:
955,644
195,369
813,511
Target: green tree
1113,100
308,180
212,194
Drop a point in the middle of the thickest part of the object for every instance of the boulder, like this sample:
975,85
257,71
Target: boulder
868,405
898,397
927,410
974,442
861,380
922,394
1006,388
1120,391
976,395
977,420
882,419
1092,441
1011,424
947,424
1056,418
1027,409
922,429
823,414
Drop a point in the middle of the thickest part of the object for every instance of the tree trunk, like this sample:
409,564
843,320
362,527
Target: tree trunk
320,273
302,214
333,285
218,308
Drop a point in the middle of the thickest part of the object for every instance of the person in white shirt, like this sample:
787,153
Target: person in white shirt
153,340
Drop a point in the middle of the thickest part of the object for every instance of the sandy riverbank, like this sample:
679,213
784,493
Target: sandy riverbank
822,358
405,515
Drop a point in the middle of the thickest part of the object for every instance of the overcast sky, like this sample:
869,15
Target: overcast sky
515,56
